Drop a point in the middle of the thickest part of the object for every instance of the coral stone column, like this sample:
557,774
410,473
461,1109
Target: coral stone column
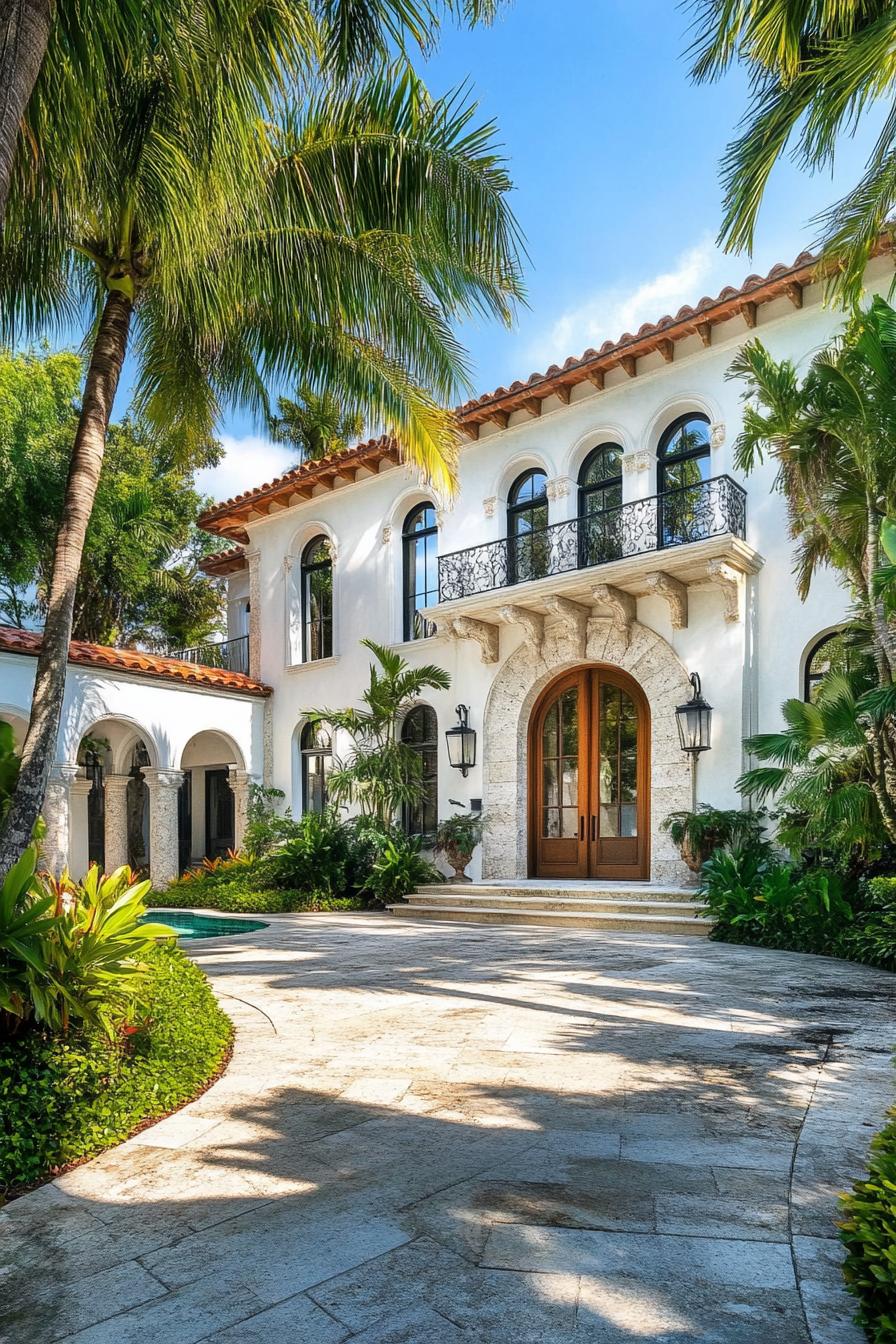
239,785
253,559
115,806
163,787
56,844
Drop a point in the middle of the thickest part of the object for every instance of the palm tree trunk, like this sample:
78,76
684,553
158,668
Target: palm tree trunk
883,630
39,750
24,32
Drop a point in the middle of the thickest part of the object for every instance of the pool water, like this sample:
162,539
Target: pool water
187,925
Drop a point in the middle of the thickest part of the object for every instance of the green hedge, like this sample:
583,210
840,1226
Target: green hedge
245,898
67,1098
870,1236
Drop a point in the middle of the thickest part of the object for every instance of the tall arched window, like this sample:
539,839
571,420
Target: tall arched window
420,731
683,462
316,747
419,542
527,520
830,653
600,501
317,600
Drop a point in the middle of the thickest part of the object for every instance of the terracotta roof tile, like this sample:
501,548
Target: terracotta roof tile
220,563
136,661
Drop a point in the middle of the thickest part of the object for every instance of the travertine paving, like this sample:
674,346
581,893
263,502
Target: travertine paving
450,1134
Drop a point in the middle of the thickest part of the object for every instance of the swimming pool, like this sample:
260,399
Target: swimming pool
186,924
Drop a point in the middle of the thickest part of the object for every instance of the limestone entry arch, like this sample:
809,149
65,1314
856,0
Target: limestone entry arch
652,664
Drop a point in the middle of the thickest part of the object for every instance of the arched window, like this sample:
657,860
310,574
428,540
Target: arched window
830,653
683,462
527,520
600,501
317,600
419,543
420,731
317,761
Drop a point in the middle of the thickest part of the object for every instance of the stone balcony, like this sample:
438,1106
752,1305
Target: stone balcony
658,546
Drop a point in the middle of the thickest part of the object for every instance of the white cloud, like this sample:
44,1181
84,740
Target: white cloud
614,309
247,462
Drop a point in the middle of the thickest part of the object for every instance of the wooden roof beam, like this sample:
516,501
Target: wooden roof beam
748,312
562,392
794,291
630,364
704,331
531,405
596,376
499,418
666,348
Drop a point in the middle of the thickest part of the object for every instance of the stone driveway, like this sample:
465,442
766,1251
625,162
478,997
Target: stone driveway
436,1134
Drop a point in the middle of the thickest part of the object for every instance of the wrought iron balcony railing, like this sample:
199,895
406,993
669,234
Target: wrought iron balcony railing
230,654
690,513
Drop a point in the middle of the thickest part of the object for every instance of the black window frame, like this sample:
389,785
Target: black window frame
811,678
422,819
666,460
322,624
414,624
516,509
599,528
311,748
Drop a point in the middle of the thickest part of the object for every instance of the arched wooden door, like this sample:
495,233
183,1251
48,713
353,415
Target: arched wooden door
589,778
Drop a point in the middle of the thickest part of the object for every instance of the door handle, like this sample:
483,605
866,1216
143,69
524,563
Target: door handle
581,828
593,826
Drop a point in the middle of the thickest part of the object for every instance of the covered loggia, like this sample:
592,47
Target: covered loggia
212,798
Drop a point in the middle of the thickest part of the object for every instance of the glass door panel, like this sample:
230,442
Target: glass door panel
559,778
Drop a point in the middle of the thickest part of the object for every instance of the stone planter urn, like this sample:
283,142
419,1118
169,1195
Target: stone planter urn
458,861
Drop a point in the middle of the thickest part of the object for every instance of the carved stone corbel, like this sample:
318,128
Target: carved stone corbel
623,607
485,635
728,580
675,593
573,615
531,622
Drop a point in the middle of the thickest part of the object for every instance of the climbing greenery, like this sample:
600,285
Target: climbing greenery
869,1232
64,1098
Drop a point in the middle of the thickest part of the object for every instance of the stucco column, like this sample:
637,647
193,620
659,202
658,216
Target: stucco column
163,786
116,820
239,784
254,558
78,838
54,850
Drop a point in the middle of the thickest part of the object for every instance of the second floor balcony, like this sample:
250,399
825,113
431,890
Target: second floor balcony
232,655
693,513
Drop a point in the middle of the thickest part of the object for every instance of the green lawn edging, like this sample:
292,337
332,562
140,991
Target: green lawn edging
66,1098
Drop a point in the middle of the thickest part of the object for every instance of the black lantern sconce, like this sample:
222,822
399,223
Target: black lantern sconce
694,719
461,742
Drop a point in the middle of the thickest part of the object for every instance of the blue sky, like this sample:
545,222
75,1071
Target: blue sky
614,156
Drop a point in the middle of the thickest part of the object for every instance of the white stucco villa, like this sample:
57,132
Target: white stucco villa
600,549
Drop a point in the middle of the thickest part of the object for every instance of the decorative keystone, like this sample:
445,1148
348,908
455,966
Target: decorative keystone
675,593
485,635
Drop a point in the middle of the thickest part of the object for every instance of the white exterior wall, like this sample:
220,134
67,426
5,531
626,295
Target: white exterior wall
748,667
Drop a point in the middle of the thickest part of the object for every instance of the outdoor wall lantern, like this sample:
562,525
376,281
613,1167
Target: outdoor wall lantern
461,742
694,719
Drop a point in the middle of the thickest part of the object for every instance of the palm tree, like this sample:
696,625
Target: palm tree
223,248
814,69
832,434
55,59
316,423
383,773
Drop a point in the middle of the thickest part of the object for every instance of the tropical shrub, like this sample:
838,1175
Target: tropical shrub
398,869
266,827
73,951
869,1232
382,774
700,832
243,894
9,767
871,937
64,1098
315,856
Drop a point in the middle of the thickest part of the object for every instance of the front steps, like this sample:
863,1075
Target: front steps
621,906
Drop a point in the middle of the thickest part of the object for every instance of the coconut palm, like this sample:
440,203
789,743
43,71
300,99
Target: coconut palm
814,69
316,423
224,249
832,434
56,59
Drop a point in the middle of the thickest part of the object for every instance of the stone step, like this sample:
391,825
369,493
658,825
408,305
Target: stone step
558,896
500,912
557,901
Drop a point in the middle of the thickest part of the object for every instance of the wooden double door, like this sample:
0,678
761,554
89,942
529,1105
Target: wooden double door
589,778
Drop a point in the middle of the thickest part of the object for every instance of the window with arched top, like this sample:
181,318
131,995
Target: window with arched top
830,653
420,578
420,732
600,503
317,600
683,464
527,521
316,747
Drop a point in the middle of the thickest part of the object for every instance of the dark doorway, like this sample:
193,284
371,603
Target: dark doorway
219,814
96,811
